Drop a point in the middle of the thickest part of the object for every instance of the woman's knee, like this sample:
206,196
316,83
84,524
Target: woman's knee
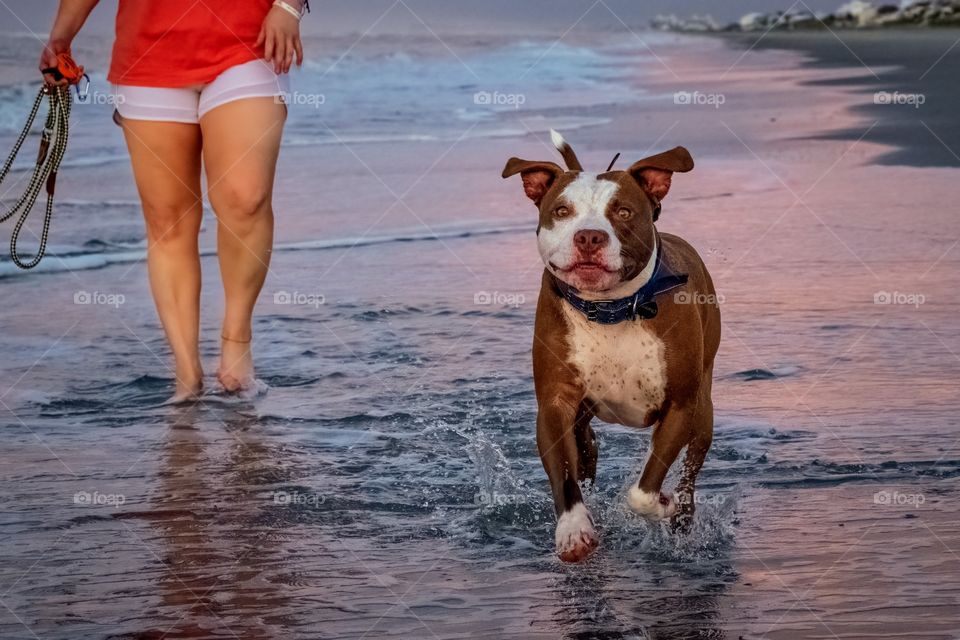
240,201
172,223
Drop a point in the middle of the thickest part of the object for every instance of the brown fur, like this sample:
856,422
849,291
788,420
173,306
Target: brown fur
690,333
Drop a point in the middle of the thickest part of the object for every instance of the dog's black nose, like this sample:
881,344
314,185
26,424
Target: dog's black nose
591,239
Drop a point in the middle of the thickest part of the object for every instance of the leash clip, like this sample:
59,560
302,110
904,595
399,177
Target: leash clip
83,94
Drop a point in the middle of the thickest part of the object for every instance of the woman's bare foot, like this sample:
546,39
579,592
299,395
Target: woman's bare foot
236,365
189,385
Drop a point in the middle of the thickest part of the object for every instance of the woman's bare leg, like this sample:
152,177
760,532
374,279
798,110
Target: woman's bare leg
241,142
166,165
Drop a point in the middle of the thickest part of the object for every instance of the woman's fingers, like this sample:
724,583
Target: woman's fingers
291,52
279,55
299,47
281,46
51,81
48,60
268,45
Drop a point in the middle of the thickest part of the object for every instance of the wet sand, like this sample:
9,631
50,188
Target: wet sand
908,62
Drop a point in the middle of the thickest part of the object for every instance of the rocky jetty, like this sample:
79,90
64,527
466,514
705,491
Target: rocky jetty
857,14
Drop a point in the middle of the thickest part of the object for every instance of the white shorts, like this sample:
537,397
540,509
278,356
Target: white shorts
254,79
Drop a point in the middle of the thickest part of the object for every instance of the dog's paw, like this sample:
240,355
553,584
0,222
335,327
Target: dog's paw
652,506
576,538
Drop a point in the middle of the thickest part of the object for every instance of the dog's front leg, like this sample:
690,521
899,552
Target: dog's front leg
697,448
669,437
557,442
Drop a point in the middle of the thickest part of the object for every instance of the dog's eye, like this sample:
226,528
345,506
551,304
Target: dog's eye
624,213
561,212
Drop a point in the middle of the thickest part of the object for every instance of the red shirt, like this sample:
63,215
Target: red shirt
179,43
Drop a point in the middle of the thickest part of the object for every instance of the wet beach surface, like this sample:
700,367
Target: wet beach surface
387,484
909,79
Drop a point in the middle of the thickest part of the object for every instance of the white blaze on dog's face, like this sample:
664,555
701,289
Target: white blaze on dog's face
596,231
586,229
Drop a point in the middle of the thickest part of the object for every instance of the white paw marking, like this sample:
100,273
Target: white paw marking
575,532
651,505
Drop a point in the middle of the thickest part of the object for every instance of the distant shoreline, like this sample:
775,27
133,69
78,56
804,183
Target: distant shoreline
908,81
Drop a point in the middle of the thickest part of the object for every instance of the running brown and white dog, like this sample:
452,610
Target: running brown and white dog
627,328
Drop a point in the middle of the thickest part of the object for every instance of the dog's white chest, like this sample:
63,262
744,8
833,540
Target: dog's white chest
622,366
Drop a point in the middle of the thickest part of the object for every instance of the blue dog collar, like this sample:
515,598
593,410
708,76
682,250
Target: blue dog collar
641,304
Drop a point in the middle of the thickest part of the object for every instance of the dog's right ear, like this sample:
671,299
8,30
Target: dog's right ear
537,176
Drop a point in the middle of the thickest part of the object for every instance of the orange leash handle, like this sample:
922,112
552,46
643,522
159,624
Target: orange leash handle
66,69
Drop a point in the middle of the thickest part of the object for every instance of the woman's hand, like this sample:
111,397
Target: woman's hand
70,18
280,37
48,59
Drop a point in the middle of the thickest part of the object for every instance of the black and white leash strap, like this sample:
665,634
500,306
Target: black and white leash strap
53,145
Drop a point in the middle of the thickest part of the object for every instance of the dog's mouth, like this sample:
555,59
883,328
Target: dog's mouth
587,267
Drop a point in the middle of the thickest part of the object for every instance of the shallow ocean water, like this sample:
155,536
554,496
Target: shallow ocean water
387,484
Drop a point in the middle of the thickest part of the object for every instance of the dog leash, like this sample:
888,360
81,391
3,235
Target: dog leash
53,146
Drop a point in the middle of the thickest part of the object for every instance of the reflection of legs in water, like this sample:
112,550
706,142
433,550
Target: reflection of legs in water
620,599
188,552
208,512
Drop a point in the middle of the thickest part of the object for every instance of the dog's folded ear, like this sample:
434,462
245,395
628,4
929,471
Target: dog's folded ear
537,176
654,174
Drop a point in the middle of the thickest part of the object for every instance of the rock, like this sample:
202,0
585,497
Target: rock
753,22
862,14
801,20
695,23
